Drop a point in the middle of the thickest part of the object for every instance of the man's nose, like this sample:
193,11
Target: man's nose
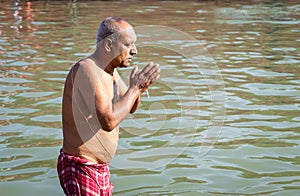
133,50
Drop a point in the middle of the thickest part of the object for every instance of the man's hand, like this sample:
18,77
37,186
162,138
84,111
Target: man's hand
144,78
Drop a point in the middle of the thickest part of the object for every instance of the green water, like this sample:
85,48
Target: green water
225,125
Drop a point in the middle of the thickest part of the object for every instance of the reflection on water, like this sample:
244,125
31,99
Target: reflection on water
255,46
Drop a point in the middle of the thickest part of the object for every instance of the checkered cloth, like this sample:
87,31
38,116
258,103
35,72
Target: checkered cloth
79,177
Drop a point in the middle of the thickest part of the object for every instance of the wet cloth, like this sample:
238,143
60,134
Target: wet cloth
83,178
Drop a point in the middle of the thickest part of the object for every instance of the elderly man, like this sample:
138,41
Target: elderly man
95,101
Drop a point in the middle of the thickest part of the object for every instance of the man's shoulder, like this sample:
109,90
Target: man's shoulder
87,66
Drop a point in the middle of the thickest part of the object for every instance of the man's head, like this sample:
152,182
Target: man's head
109,28
117,38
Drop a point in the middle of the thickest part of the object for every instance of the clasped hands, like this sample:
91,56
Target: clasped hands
145,77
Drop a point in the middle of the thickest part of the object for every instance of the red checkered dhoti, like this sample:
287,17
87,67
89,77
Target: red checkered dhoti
79,177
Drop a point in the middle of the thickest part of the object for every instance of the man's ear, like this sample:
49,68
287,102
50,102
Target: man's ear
108,45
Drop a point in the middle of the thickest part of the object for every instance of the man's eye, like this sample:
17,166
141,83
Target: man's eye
127,45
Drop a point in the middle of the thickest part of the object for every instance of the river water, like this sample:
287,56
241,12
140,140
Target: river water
223,119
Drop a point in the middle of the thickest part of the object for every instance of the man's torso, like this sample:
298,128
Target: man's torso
83,135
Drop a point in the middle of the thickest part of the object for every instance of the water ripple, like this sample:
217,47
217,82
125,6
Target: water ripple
255,47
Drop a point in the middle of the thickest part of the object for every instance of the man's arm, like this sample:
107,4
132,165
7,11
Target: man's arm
112,114
94,88
123,88
136,105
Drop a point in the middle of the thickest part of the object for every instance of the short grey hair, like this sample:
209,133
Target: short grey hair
109,27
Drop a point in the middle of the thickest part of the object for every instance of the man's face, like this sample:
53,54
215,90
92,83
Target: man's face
124,48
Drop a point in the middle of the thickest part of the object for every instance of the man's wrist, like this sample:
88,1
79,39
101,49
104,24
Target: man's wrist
135,90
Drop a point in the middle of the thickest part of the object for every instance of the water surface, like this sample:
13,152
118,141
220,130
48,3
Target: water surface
255,46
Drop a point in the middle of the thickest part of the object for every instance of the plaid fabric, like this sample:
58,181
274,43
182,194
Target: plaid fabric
80,177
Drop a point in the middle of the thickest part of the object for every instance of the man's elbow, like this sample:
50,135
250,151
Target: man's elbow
108,126
132,111
108,122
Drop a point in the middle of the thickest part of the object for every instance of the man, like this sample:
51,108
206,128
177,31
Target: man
95,101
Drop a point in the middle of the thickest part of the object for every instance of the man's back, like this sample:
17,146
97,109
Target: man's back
83,134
